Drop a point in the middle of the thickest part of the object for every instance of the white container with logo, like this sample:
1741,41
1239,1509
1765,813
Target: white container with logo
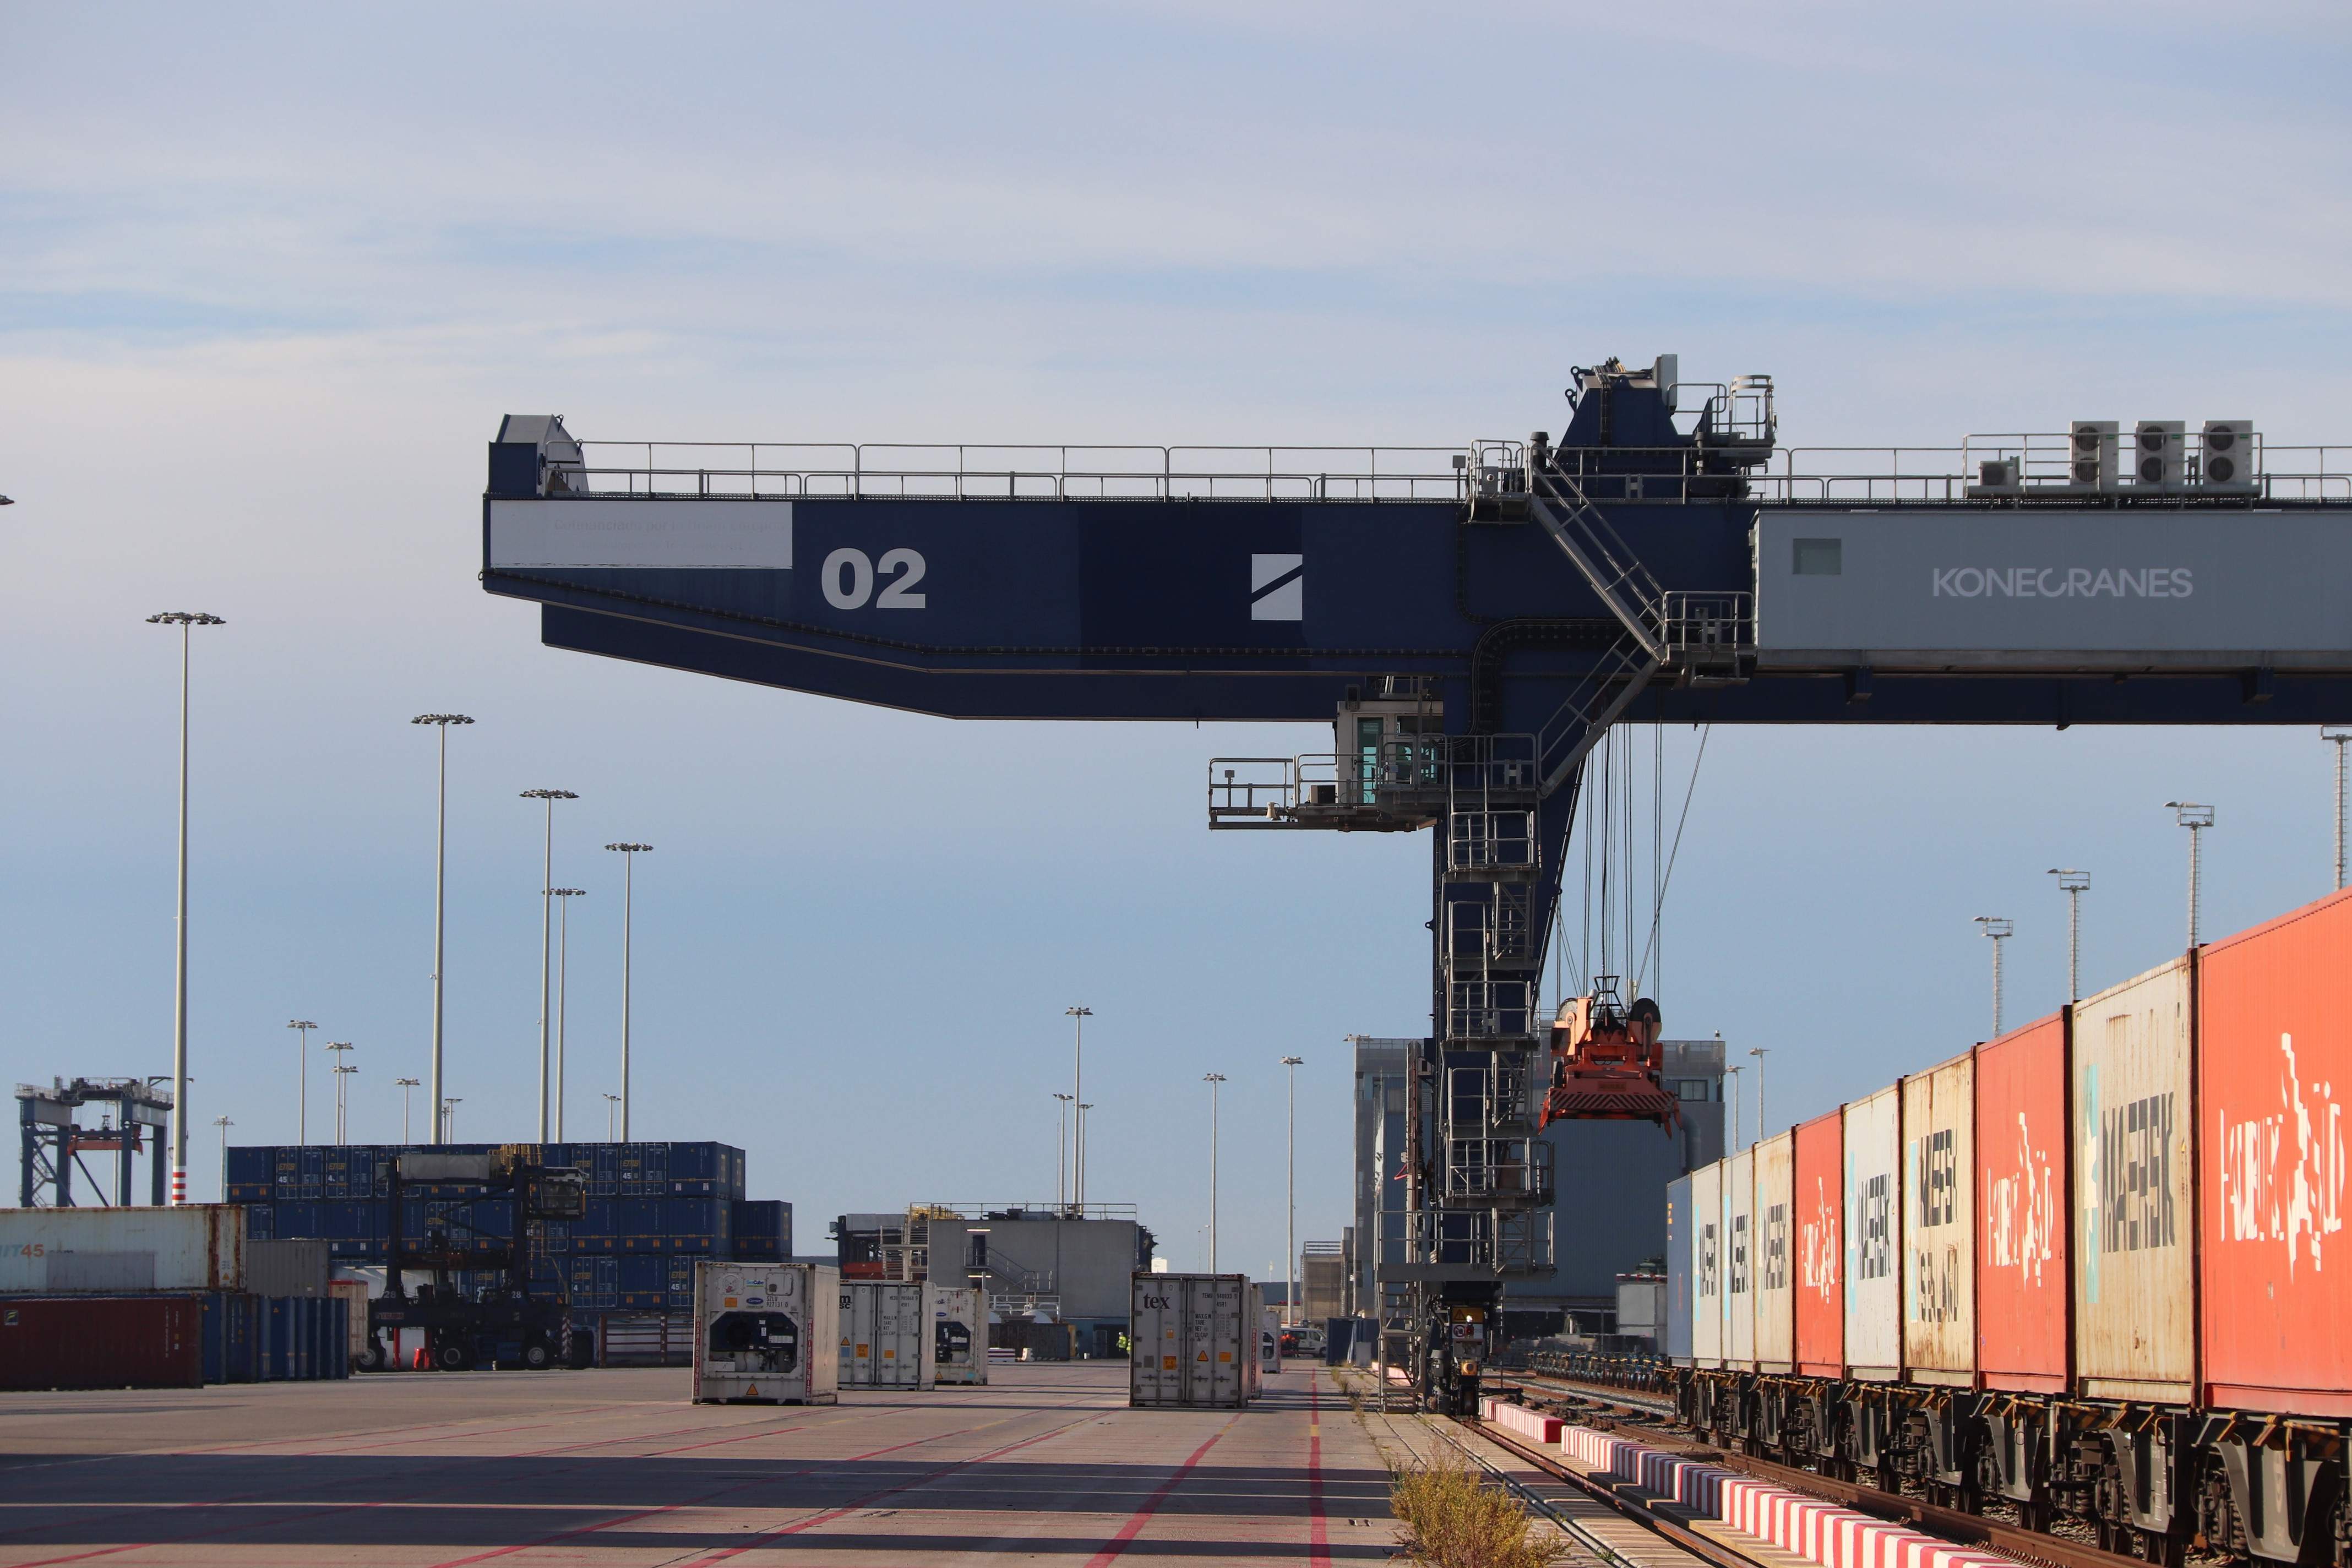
1190,1340
764,1333
959,1317
885,1336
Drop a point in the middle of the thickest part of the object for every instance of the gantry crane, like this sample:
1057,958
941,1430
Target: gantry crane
1472,620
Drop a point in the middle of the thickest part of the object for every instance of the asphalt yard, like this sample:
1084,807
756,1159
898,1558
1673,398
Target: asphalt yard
1046,1464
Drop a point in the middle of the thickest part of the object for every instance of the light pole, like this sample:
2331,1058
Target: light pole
1732,1079
1290,1185
302,1081
629,853
340,1070
1060,1150
1758,1052
1078,1016
224,1124
562,992
449,1115
2073,884
184,619
546,919
612,1109
1212,1079
405,1085
2197,818
2339,735
440,722
2001,929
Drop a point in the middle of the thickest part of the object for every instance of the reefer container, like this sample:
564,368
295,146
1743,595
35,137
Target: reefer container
765,1333
885,1336
2021,1271
1819,1190
2134,1283
101,1341
1939,1224
1269,1340
1740,1260
1190,1340
1774,1293
1676,1345
1706,1264
2274,1038
1253,1371
190,1246
959,1317
1874,1198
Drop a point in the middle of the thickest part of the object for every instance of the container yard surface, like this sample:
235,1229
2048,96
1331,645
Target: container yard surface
1047,1463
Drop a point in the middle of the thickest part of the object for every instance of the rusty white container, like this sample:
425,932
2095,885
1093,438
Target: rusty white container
1740,1260
110,1251
1873,1211
2274,1076
765,1333
1775,1278
885,1336
1820,1187
1940,1237
2135,1284
1189,1339
959,1317
2021,1197
1706,1264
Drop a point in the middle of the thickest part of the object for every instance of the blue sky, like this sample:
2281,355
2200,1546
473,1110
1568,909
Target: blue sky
272,273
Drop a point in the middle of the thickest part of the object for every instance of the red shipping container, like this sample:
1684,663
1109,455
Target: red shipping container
2022,1267
1821,1246
101,1341
2274,1018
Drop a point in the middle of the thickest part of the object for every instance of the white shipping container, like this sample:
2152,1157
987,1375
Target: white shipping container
1874,1209
1642,1305
58,1252
1269,1341
1939,1220
1740,1260
1774,1246
1707,1265
1189,1341
2134,1297
885,1336
959,1317
765,1333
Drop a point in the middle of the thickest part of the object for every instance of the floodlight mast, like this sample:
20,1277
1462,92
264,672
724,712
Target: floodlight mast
1999,930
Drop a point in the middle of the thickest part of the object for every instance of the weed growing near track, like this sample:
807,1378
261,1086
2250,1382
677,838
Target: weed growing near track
1452,1521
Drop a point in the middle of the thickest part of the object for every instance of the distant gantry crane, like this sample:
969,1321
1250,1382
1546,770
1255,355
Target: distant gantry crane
136,1113
1472,620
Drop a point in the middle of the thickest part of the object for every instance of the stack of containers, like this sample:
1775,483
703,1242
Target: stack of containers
653,1210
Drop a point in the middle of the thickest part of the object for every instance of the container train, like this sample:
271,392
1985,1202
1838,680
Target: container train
2084,1266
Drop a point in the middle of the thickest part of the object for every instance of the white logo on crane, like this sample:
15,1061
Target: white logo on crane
1277,587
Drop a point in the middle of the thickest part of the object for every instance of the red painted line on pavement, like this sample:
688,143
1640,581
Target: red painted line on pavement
1319,1532
870,1499
1134,1526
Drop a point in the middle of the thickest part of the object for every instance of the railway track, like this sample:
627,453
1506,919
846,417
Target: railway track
1946,1523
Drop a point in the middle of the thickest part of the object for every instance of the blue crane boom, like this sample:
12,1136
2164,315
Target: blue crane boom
1471,620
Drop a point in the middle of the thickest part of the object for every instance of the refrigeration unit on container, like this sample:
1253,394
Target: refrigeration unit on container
1874,1207
959,1316
2134,1285
885,1336
1939,1342
1253,1365
1819,1184
1740,1260
110,1251
765,1333
2021,1193
1676,1344
1707,1265
1774,1282
1190,1340
101,1341
2274,1010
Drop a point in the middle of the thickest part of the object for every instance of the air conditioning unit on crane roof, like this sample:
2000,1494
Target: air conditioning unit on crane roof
2093,446
2159,450
2225,455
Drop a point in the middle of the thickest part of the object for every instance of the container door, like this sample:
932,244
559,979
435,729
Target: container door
2133,1160
1873,1190
1154,1357
1707,1265
1939,1223
1819,1188
1739,1260
2022,1268
1676,1341
1776,1297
